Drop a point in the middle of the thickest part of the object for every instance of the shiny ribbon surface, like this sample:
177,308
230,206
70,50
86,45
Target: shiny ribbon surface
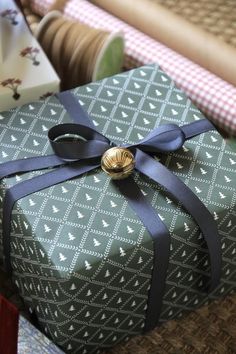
74,157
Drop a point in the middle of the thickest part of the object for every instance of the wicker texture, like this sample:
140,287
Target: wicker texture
209,330
215,16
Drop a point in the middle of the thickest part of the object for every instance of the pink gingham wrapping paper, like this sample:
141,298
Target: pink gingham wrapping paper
213,96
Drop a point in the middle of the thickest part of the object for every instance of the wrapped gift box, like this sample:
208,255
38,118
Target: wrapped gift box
81,258
25,72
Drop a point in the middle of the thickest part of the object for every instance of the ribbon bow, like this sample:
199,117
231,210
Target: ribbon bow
79,157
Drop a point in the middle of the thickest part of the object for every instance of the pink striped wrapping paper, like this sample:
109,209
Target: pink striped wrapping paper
212,95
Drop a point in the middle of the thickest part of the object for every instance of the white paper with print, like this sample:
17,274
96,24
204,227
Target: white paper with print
25,72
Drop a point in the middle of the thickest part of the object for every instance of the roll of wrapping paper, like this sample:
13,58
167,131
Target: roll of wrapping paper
215,97
215,16
177,33
79,53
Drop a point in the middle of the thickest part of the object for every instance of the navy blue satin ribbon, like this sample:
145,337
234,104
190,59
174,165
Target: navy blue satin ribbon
73,157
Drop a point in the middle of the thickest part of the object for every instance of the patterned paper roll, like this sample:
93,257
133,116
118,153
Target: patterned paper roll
177,33
215,97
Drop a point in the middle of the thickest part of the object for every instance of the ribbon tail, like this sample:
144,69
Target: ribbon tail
29,164
196,128
160,174
161,241
74,109
33,185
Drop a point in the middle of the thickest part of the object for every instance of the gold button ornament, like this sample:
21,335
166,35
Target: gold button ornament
118,162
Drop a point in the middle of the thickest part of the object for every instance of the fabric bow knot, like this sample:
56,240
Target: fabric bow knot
92,144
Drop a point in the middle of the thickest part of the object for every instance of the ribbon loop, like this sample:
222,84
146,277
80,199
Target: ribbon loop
89,143
165,138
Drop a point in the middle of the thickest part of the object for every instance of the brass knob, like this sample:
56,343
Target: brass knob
118,162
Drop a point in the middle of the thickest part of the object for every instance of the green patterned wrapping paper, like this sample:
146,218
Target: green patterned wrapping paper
82,259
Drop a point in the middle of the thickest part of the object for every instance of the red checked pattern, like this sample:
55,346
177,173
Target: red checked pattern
212,95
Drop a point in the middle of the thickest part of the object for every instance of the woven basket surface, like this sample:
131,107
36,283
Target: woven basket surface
215,16
209,330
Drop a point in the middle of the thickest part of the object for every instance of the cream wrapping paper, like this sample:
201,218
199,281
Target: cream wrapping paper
215,97
26,74
177,33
